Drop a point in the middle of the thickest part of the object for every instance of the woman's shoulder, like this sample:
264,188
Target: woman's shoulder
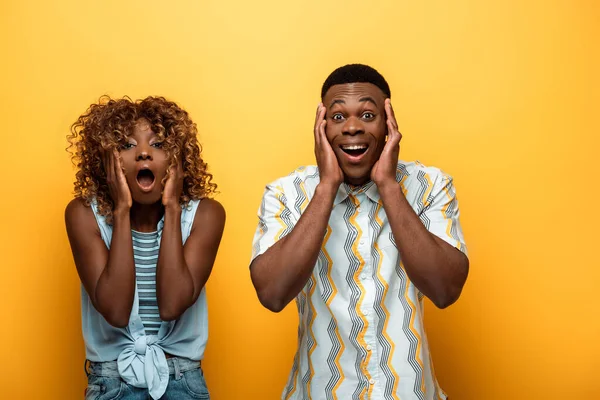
79,214
210,211
78,208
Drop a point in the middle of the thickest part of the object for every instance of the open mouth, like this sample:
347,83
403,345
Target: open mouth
354,150
145,178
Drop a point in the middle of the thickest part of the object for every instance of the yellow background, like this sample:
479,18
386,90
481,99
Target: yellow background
502,95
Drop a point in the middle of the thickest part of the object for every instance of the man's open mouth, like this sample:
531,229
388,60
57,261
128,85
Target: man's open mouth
354,150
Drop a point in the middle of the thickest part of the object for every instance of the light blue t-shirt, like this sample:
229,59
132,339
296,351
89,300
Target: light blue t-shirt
140,357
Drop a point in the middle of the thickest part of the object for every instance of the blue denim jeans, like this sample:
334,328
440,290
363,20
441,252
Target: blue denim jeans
186,381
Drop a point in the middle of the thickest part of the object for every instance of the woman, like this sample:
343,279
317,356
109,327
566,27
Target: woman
144,235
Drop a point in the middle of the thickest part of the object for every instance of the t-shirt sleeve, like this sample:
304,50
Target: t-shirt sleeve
441,214
275,220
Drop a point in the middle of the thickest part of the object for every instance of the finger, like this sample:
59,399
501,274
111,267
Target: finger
104,161
389,110
394,136
391,116
393,124
117,163
180,170
390,143
317,115
326,147
320,115
165,180
318,122
322,136
110,170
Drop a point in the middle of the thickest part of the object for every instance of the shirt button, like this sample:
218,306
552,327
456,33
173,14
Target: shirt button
369,348
358,209
366,312
372,381
362,242
363,277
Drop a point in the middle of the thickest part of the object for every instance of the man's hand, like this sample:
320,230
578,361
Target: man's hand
384,171
329,169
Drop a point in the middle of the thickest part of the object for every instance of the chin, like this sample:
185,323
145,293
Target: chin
357,177
147,199
355,180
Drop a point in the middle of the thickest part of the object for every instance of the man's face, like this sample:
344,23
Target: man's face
356,128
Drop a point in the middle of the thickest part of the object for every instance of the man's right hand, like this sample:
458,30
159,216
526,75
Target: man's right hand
282,271
117,184
329,169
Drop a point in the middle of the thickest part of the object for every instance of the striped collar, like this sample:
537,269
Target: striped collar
369,188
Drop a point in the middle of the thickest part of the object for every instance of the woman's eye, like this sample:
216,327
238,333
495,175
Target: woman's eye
127,146
158,145
368,115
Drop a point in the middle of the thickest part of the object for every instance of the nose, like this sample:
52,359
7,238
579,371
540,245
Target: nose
353,126
143,153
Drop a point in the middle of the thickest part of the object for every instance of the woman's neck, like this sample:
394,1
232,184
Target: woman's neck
145,217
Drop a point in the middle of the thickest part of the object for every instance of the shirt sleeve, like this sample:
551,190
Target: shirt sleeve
441,214
275,220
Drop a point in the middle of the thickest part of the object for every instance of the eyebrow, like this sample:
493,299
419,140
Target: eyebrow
361,100
369,99
339,101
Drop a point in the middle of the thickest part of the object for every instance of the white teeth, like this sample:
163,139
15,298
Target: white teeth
354,147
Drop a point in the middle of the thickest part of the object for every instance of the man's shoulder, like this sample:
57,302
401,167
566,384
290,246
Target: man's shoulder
414,171
305,175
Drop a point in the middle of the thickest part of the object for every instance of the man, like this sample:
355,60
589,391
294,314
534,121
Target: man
358,241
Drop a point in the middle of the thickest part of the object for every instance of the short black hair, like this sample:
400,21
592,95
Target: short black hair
355,73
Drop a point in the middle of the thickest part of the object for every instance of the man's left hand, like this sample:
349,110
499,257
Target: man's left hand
384,171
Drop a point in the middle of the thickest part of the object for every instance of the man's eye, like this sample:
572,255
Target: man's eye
337,117
127,146
368,115
158,145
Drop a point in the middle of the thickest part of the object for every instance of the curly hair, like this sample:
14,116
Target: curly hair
353,73
106,125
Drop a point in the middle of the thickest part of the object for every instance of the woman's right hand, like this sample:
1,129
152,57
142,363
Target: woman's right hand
117,184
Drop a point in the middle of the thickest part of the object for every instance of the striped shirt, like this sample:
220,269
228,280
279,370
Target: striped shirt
141,357
361,332
145,255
